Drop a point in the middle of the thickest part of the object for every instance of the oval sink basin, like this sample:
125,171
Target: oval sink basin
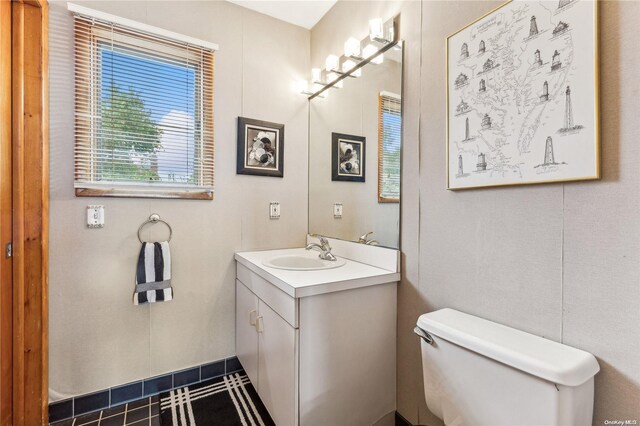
297,262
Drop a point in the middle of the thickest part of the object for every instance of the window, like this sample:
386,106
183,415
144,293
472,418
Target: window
144,111
389,138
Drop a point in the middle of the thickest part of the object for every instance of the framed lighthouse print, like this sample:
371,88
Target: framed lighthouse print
522,96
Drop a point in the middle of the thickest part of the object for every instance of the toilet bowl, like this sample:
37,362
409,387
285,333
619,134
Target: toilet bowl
477,372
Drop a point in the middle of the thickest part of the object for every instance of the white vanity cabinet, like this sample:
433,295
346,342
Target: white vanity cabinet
320,353
265,346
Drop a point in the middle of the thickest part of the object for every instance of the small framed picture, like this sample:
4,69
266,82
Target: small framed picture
348,157
260,148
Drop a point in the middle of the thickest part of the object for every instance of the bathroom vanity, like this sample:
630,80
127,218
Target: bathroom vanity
318,340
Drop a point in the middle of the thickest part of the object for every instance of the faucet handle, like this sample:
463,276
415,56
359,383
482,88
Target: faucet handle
323,241
318,236
363,238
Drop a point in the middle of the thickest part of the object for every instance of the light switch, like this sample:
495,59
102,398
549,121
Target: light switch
337,211
95,216
274,210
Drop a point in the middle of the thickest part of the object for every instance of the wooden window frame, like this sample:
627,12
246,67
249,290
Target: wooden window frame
382,199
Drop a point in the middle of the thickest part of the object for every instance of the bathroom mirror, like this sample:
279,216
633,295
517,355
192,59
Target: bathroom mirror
354,155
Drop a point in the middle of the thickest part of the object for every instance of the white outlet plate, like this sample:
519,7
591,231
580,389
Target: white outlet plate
95,216
337,211
274,210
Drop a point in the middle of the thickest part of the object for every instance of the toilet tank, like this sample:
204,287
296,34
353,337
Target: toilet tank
478,372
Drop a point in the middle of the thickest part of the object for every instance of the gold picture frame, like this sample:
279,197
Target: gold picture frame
547,171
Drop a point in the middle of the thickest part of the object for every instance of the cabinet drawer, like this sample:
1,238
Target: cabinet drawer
283,304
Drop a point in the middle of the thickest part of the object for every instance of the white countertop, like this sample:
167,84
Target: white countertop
309,283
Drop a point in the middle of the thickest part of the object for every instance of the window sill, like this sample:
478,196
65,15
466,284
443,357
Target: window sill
144,193
384,200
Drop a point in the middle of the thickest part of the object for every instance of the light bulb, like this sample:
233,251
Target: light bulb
332,62
376,31
352,47
371,50
391,32
348,65
316,75
303,86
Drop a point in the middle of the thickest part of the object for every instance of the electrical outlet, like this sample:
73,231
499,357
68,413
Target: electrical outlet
274,210
95,216
337,211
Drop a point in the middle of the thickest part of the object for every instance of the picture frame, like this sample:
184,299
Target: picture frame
260,148
522,96
348,157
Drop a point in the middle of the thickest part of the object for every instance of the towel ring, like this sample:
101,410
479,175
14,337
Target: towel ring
154,218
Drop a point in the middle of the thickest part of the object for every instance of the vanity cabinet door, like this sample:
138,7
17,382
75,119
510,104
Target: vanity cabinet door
246,336
276,366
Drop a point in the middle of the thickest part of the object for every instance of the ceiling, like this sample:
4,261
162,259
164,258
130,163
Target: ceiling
304,13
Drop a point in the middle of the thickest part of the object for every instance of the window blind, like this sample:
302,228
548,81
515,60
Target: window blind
143,113
389,144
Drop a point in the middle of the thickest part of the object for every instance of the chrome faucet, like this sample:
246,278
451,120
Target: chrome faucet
324,248
364,239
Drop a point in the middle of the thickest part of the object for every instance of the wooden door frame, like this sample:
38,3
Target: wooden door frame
6,293
29,177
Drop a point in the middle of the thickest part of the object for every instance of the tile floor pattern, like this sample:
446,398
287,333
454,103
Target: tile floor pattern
143,412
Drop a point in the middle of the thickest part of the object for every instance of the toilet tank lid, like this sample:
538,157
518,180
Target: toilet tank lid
544,358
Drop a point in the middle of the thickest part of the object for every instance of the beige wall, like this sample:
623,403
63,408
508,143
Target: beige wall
560,261
97,337
352,110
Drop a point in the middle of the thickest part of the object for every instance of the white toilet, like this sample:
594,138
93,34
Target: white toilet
478,372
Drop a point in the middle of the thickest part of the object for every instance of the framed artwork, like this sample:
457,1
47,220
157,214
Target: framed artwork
348,157
522,96
260,148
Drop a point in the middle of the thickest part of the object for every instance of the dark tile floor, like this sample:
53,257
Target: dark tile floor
143,412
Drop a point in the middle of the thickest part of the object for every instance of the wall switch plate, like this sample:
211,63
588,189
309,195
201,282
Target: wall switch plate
95,216
274,210
337,211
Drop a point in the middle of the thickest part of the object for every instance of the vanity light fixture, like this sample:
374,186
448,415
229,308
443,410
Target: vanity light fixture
336,68
352,48
304,88
316,75
390,32
371,50
376,30
382,32
318,82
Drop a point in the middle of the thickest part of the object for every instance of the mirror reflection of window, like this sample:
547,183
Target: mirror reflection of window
389,138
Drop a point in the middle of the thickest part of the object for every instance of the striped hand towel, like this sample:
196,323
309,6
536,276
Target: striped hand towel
153,275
